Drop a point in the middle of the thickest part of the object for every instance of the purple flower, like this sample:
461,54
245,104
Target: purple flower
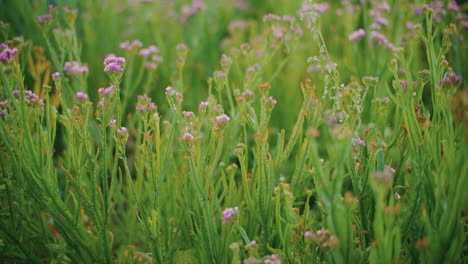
157,58
148,51
112,58
381,20
106,91
187,137
188,114
203,105
81,95
219,75
248,93
379,37
223,119
228,213
331,121
113,67
127,45
72,67
6,53
315,67
271,17
451,79
251,260
55,75
404,84
452,5
113,122
150,65
271,101
169,90
253,68
357,34
122,130
309,234
31,97
15,92
144,103
44,19
389,170
358,141
114,64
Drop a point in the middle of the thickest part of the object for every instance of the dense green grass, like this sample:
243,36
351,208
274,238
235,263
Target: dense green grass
243,137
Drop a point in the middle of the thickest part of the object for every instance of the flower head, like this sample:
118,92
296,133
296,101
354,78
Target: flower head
7,54
81,95
72,67
203,105
229,213
357,34
44,19
187,137
122,131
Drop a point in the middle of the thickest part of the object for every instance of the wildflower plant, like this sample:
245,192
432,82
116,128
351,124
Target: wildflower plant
288,131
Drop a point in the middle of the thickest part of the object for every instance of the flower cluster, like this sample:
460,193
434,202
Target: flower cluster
3,108
81,95
385,176
203,105
72,67
451,79
129,46
30,97
7,54
187,137
229,213
269,259
382,40
144,104
191,10
44,19
357,144
357,34
114,64
221,121
152,51
325,240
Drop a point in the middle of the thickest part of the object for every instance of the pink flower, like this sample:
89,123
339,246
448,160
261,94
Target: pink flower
81,95
55,75
228,213
169,90
188,114
44,19
127,45
122,130
222,120
113,67
106,91
203,105
309,234
357,34
6,53
114,64
253,68
248,93
72,67
148,51
187,137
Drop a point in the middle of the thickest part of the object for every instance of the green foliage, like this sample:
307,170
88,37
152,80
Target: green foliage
285,138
